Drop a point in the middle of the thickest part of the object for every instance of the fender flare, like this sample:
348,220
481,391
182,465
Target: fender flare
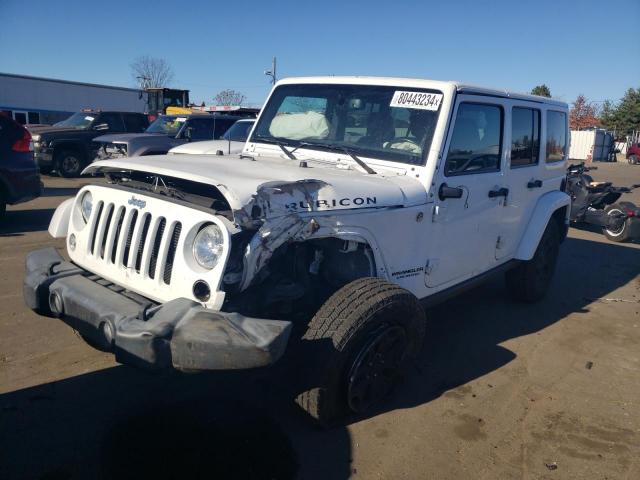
59,225
546,206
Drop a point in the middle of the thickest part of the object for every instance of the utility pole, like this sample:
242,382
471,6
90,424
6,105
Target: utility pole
272,73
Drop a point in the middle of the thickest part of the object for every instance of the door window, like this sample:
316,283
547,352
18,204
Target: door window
113,120
556,136
525,136
476,142
200,128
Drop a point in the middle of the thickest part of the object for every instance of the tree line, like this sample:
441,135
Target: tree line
621,117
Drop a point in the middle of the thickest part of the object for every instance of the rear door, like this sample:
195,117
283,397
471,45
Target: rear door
538,149
466,229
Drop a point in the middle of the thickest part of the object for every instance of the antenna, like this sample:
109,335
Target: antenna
272,73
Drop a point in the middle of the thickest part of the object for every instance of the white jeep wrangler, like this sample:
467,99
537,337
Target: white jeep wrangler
355,203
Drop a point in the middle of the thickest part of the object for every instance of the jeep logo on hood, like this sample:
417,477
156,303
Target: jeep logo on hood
136,202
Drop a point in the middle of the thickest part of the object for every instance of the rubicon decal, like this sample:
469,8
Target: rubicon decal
334,202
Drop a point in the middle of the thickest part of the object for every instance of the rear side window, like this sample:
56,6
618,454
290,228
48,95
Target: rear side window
135,123
525,136
476,140
556,136
221,127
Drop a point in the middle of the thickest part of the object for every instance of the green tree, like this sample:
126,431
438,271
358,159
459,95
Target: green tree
628,112
608,115
541,90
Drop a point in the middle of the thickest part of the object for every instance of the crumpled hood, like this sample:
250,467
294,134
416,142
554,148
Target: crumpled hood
277,186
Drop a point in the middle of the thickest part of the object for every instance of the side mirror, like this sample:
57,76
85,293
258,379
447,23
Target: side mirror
101,126
445,191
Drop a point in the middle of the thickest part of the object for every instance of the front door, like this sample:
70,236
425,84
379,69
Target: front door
467,214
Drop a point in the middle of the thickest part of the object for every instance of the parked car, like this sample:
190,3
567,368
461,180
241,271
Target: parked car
232,141
327,235
166,132
633,154
67,146
19,175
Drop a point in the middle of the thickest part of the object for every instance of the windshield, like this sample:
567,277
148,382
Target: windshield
167,124
77,120
238,132
390,123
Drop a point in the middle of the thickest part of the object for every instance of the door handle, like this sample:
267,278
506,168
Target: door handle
534,184
501,192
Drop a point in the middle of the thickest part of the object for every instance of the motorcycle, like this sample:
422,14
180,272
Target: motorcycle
594,203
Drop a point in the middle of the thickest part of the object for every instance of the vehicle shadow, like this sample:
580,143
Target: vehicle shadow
122,423
126,423
465,334
60,191
21,221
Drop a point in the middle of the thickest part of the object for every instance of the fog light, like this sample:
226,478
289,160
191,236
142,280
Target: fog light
72,242
201,290
55,304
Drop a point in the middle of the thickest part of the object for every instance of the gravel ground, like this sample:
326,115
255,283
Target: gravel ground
501,390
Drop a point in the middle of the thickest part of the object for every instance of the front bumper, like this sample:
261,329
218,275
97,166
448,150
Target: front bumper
179,333
43,156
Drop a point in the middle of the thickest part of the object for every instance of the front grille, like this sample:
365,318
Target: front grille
126,238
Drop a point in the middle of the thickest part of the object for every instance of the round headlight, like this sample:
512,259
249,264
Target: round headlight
208,245
86,205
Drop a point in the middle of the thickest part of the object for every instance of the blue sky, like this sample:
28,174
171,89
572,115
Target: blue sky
589,47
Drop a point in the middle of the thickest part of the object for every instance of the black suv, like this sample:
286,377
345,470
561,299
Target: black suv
68,147
19,177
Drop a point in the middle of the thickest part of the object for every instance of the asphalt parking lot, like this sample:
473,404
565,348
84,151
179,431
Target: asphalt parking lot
501,390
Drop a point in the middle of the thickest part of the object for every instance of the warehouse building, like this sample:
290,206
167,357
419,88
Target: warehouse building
35,100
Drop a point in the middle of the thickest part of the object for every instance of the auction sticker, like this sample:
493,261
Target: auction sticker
420,100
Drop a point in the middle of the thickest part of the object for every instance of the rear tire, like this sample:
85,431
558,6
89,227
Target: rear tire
356,347
529,281
621,234
69,163
633,160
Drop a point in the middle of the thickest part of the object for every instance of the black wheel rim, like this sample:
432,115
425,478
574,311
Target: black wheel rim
376,368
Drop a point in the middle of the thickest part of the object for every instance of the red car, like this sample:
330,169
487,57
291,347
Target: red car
633,154
19,175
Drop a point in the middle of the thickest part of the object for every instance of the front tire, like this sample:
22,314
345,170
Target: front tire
621,234
69,163
356,347
3,206
529,281
633,160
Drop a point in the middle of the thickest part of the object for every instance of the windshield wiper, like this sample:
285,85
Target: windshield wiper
280,144
338,148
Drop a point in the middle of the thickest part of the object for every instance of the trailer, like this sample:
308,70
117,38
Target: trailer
594,145
37,100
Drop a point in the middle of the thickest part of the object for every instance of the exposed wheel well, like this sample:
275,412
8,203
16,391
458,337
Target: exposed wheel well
300,276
